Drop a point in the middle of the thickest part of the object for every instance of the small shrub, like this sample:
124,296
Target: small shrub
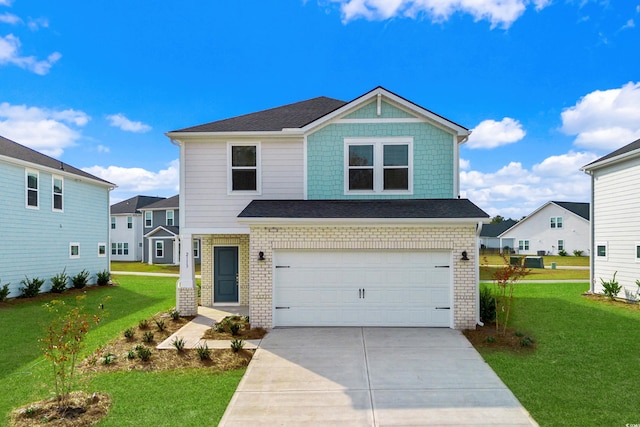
174,314
129,333
562,252
178,343
237,345
234,328
59,282
144,353
577,253
487,305
204,353
491,340
161,325
4,292
131,354
147,337
80,280
143,324
527,342
218,327
31,287
611,288
108,359
518,334
103,277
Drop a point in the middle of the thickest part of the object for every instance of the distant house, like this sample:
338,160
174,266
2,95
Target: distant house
161,233
126,228
552,228
489,239
615,209
55,218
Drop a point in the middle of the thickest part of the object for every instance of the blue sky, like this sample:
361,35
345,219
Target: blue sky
547,86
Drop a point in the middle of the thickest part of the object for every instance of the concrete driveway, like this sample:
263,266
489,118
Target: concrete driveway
371,377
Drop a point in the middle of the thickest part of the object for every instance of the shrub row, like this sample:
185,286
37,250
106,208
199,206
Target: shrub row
59,283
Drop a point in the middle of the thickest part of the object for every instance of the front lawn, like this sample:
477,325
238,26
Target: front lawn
167,398
141,267
570,261
486,273
585,369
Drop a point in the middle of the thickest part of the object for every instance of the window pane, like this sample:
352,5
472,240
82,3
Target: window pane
602,250
396,155
559,220
361,155
361,179
57,201
32,181
243,155
57,185
244,180
396,179
32,198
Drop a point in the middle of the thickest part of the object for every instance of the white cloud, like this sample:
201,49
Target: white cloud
48,131
464,164
103,149
605,119
629,24
9,18
5,2
514,191
132,181
501,13
36,24
491,134
10,54
120,121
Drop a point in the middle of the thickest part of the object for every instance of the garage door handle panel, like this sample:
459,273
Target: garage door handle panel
442,266
283,308
283,266
443,308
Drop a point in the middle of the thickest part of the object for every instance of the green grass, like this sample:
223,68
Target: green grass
585,369
166,398
572,261
136,266
486,273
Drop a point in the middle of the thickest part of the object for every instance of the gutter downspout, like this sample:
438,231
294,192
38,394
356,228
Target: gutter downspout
477,269
592,256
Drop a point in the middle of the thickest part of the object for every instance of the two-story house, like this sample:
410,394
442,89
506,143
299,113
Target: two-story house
55,218
126,239
330,213
161,228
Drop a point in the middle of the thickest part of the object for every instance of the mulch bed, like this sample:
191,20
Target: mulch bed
220,332
84,409
487,337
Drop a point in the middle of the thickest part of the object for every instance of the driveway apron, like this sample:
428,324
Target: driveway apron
371,377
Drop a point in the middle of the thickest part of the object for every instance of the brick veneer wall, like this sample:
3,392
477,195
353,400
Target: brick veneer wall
455,238
187,301
207,267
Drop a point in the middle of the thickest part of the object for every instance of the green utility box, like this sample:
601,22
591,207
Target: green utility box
515,260
533,262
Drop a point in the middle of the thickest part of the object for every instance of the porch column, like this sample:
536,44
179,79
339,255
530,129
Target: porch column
187,291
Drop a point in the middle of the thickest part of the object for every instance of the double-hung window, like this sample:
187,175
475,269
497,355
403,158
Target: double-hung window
159,249
57,184
169,218
113,222
556,222
378,165
523,245
196,248
148,219
129,222
561,245
244,168
32,194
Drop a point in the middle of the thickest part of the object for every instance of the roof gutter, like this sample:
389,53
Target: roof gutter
357,221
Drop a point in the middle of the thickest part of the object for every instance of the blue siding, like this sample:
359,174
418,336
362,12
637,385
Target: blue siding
36,241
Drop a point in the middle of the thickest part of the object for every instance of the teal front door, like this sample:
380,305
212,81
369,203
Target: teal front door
225,274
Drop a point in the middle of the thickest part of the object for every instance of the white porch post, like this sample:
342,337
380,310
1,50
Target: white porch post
187,292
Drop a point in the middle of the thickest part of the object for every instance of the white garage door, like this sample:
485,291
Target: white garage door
362,288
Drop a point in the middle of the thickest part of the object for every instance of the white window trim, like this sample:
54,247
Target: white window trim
145,219
27,189
105,250
635,251
114,248
378,165
258,190
561,247
525,243
129,222
557,221
71,245
113,224
606,250
173,217
53,193
155,248
125,248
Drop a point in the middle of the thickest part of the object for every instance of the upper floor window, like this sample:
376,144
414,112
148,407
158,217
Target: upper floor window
32,195
129,222
57,184
378,165
170,218
556,222
148,219
244,170
113,222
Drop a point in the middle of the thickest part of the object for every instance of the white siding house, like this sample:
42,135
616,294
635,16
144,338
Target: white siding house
550,229
615,193
126,228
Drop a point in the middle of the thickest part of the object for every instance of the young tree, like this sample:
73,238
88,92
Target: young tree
504,281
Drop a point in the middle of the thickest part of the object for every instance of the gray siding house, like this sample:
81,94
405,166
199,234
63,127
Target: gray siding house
126,228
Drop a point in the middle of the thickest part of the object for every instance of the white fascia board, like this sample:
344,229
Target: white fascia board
368,222
54,171
181,137
621,158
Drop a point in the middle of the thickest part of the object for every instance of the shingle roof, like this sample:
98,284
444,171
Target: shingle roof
494,230
20,152
635,145
294,115
323,209
133,204
578,208
172,202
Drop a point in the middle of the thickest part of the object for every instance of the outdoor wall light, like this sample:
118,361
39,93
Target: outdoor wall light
261,256
464,256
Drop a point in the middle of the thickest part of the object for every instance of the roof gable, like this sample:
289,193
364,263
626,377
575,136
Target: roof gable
133,204
578,209
387,110
629,150
172,202
494,230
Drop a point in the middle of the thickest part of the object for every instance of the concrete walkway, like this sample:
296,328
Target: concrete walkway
371,377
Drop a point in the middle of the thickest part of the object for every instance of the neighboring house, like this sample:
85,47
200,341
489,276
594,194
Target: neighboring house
489,236
553,227
331,213
615,219
55,218
161,230
126,228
